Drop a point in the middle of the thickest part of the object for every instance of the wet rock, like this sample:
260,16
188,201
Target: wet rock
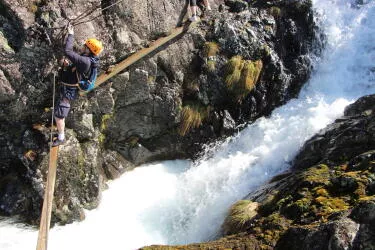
14,196
363,161
345,183
78,181
228,122
114,164
335,235
344,139
364,212
371,188
363,106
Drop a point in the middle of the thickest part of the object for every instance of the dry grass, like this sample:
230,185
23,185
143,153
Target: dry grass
242,75
192,116
275,12
210,49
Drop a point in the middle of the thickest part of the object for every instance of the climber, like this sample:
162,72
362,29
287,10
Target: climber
194,7
74,68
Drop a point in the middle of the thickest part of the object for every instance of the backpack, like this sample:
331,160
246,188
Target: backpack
87,82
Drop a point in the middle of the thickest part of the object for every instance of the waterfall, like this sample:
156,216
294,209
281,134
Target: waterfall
179,202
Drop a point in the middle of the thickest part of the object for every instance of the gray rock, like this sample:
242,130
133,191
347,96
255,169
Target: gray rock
331,143
138,89
114,164
236,5
6,90
82,123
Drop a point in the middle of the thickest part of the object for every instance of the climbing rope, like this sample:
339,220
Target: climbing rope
53,107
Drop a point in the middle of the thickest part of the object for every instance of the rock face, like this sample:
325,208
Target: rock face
344,139
230,68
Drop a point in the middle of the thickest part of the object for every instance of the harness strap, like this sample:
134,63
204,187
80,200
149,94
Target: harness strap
70,85
75,84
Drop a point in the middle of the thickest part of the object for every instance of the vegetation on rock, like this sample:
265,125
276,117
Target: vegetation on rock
242,75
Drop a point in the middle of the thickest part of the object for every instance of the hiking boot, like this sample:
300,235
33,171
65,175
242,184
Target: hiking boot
58,142
194,18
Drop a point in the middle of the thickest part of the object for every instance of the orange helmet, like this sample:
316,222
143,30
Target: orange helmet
94,45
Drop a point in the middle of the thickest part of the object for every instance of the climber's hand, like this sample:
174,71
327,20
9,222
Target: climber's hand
70,29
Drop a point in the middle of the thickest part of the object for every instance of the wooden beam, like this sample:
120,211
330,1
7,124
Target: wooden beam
117,68
45,219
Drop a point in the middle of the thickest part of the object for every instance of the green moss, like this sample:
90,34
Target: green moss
101,138
300,206
320,191
317,175
270,204
360,191
367,198
327,206
151,79
133,141
282,202
273,226
104,122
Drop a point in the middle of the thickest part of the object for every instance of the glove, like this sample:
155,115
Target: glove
70,29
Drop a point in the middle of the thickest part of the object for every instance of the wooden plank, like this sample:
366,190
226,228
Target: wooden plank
45,219
139,55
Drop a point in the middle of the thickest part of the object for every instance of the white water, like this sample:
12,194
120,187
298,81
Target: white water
176,202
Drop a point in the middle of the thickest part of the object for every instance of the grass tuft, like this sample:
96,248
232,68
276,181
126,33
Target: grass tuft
239,215
210,49
275,12
192,116
242,75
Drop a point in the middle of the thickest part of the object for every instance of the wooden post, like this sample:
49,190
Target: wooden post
45,219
